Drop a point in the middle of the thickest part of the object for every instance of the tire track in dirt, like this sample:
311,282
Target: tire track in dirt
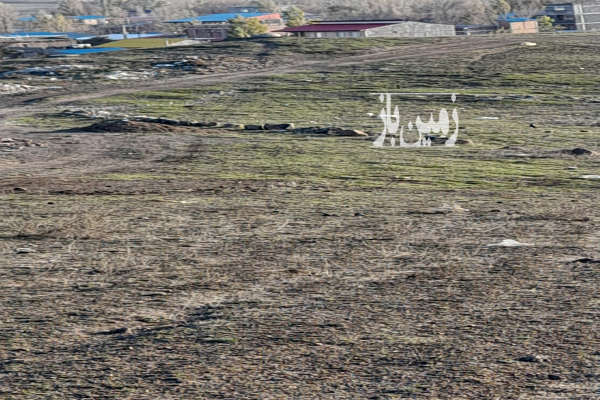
422,50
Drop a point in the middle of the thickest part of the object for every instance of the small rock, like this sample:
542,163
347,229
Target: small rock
19,190
24,250
346,132
594,177
580,151
553,377
117,331
168,121
279,127
584,260
312,130
510,243
254,127
204,124
529,358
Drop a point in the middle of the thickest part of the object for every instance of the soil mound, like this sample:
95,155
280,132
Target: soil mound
132,126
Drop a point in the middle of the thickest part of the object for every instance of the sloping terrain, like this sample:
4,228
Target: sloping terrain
215,263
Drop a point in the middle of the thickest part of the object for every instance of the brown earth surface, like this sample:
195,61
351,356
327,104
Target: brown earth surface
169,265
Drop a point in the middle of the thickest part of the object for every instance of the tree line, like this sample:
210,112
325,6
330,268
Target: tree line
437,11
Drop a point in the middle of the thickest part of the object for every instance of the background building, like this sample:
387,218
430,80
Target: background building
582,15
89,19
216,26
357,29
513,24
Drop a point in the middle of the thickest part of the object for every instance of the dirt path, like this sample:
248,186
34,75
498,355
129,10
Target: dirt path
83,93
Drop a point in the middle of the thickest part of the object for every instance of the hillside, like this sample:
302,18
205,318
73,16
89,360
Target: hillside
202,254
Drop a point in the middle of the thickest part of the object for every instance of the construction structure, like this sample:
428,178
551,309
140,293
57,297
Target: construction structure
517,25
583,15
215,27
88,19
371,29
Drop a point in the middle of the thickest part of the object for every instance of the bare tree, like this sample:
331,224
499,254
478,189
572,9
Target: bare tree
8,16
442,11
71,7
52,23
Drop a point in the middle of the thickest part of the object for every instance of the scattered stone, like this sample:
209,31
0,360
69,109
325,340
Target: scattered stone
205,124
11,144
579,151
24,250
529,358
279,127
131,126
553,377
186,123
19,190
529,44
346,132
441,141
468,142
12,88
254,127
510,243
314,130
130,75
593,177
585,260
117,331
167,121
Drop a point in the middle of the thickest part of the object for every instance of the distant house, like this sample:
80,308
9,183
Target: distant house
518,25
89,19
216,26
583,15
371,28
244,9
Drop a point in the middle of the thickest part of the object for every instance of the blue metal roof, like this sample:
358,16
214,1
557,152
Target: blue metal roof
71,52
120,36
71,35
219,17
83,17
38,34
511,17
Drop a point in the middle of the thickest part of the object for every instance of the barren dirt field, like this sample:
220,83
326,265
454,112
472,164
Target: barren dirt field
156,260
